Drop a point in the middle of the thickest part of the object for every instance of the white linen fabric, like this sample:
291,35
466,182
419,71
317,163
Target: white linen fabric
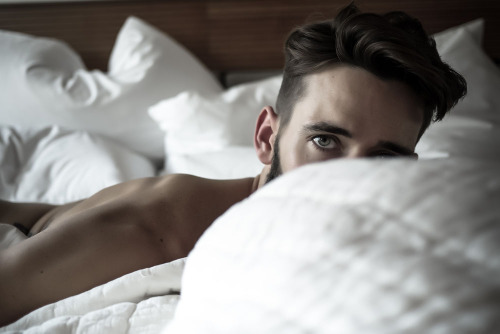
212,135
56,165
475,28
353,247
201,126
195,123
44,82
461,49
473,127
232,162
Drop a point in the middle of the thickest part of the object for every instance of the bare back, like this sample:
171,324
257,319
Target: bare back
181,205
120,229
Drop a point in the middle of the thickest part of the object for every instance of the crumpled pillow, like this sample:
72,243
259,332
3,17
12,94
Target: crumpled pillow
56,165
44,82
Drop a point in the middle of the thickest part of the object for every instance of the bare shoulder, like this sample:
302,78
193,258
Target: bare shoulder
177,208
194,187
201,199
193,204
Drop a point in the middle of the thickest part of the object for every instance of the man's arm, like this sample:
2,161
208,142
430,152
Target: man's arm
26,214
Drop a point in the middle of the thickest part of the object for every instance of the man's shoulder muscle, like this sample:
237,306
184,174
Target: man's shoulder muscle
184,205
193,189
198,198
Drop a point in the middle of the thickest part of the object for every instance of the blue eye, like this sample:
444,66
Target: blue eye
324,142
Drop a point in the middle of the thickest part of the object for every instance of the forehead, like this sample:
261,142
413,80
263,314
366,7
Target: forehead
359,101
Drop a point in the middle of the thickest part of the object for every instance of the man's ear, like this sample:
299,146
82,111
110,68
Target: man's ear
266,130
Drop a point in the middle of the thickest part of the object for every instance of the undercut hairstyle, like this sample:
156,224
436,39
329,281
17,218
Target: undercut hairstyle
393,46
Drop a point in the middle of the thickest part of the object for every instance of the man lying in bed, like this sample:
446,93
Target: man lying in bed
361,85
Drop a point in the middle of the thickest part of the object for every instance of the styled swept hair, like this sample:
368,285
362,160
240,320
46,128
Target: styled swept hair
393,46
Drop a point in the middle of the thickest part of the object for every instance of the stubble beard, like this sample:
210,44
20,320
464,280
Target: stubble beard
275,170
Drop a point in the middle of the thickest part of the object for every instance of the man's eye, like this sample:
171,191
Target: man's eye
324,142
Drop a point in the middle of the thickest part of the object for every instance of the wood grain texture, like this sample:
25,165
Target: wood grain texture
225,34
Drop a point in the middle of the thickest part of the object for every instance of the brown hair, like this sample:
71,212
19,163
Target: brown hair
391,46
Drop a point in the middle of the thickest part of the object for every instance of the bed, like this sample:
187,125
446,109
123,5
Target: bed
100,92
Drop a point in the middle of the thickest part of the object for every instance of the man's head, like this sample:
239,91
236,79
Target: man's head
359,85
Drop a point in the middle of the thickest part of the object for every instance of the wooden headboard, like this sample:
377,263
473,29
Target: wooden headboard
225,34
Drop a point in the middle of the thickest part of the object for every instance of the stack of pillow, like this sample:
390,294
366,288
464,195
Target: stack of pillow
47,94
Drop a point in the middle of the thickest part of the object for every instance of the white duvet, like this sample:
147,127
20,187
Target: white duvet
353,247
339,247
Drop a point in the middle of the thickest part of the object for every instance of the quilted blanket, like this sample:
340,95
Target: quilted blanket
353,247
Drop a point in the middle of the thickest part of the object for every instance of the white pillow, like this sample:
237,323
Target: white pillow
212,135
475,28
473,127
195,123
54,165
44,82
232,162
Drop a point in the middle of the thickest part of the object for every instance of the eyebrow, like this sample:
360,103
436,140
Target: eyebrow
331,128
327,127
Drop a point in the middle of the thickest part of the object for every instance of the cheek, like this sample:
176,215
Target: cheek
293,153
